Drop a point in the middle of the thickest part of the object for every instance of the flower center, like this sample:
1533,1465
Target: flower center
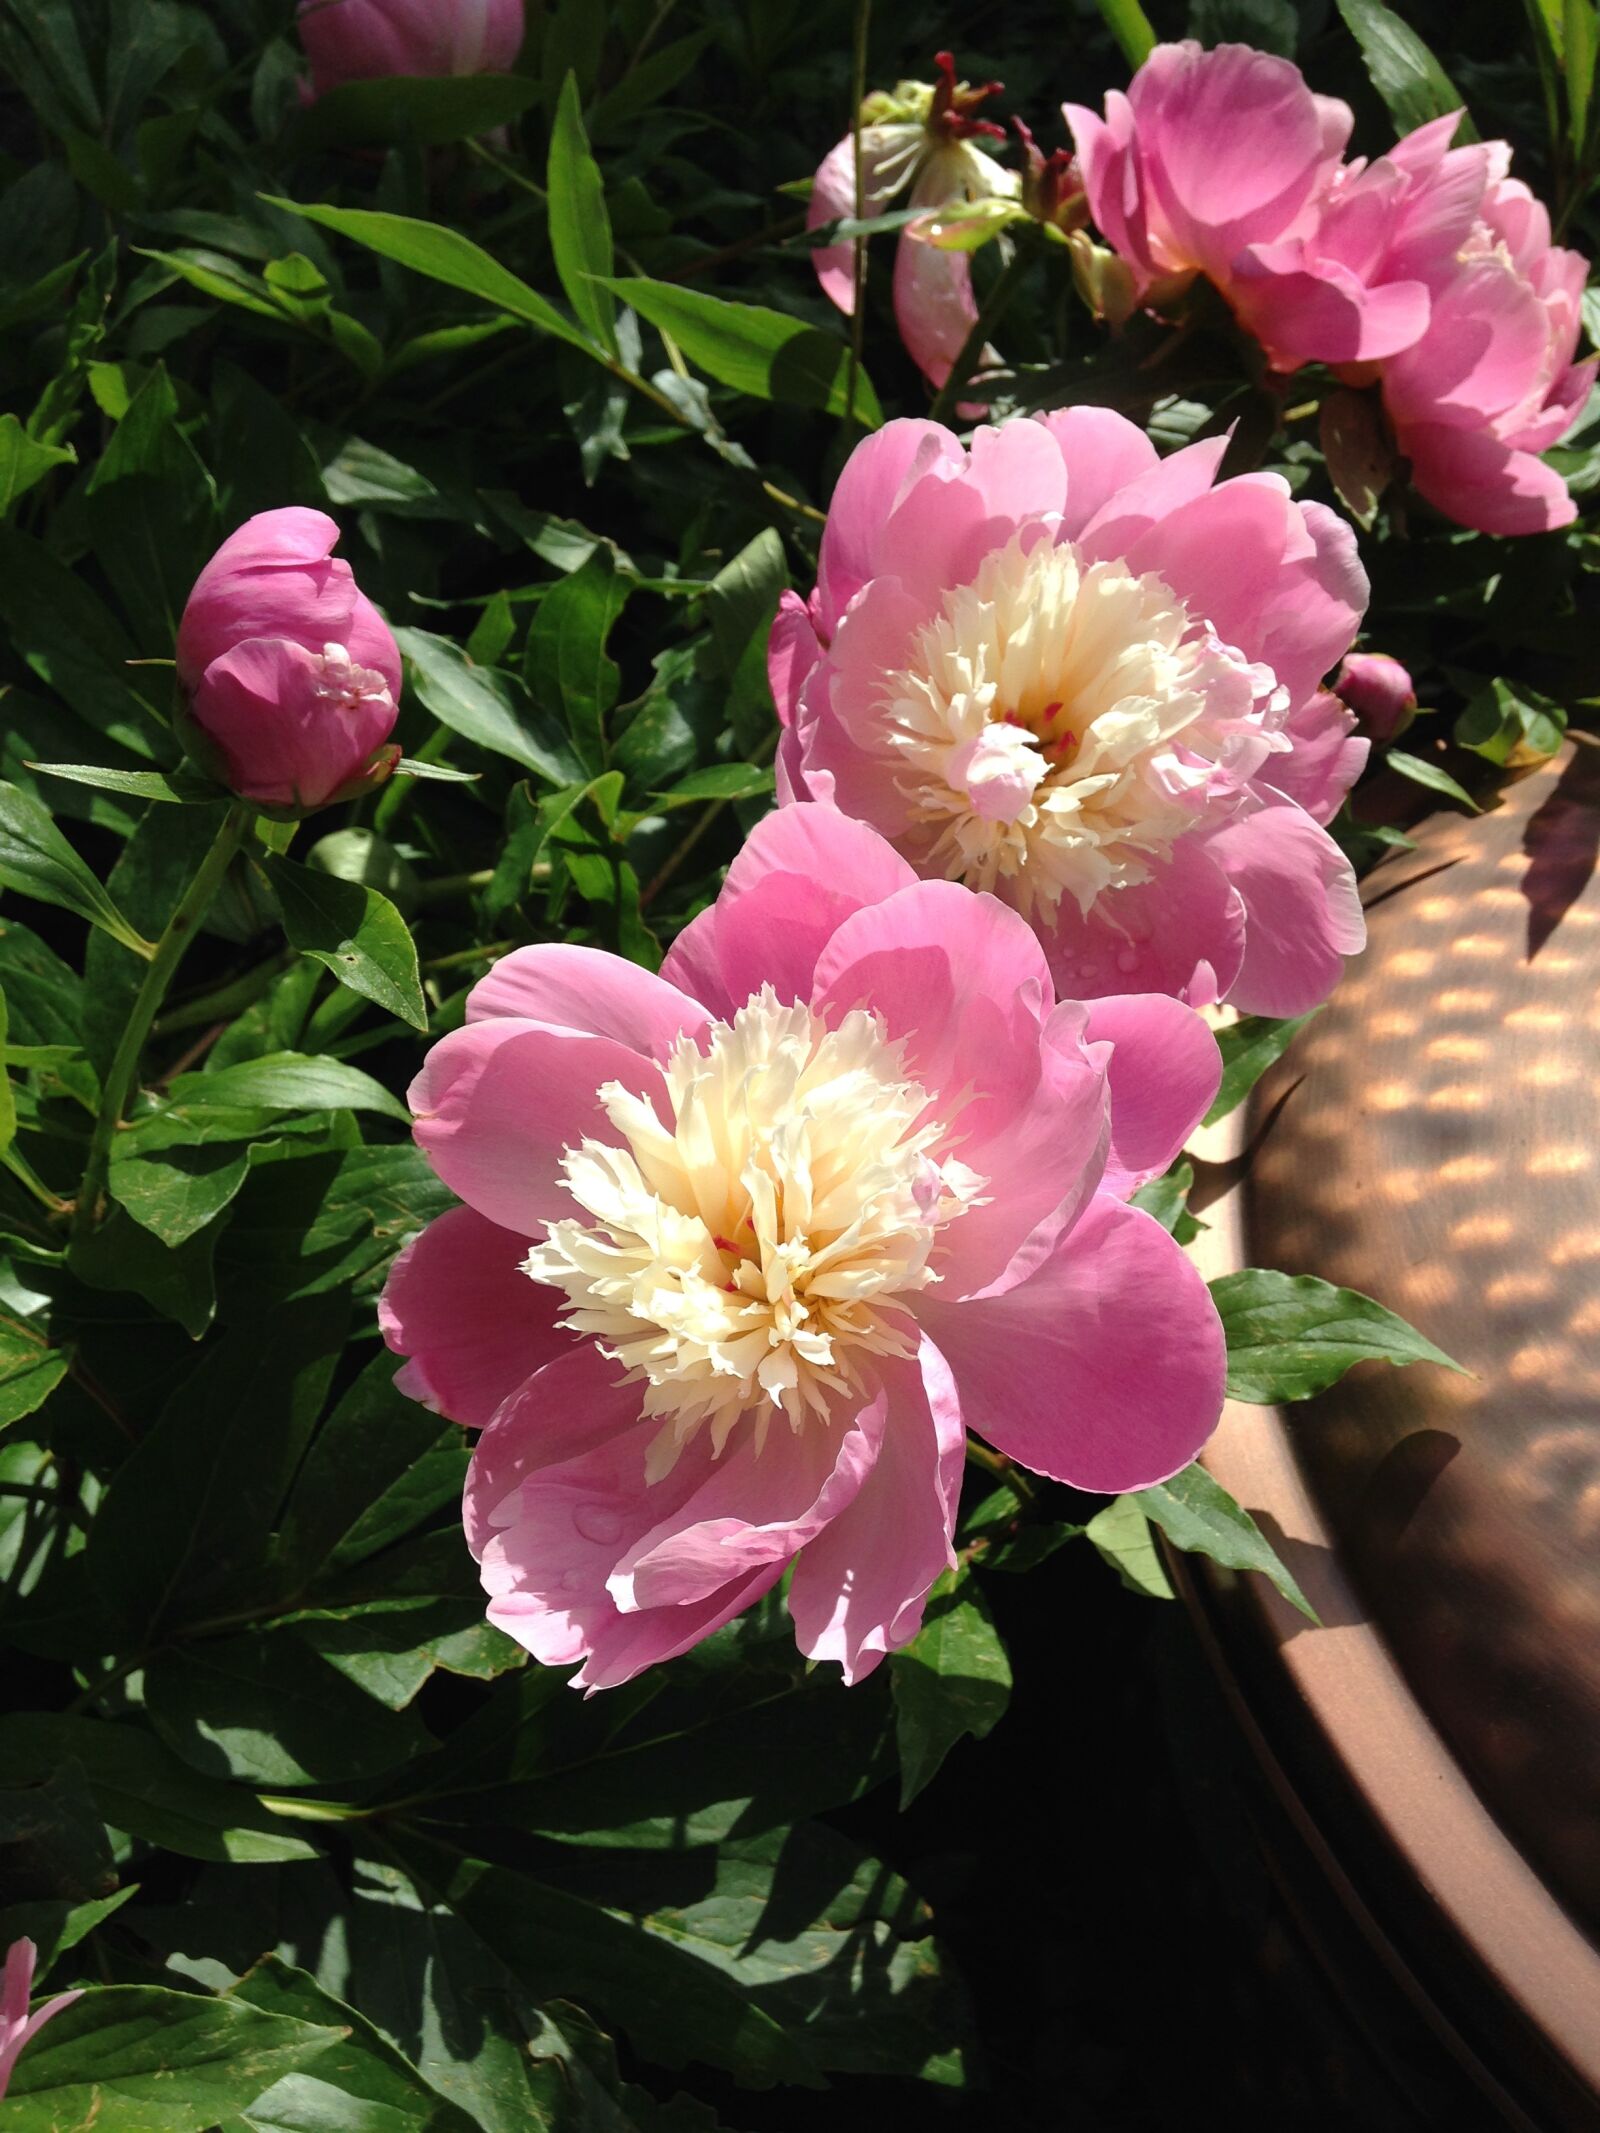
1060,724
345,686
750,1255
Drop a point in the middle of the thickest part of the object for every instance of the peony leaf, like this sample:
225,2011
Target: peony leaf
952,1679
1291,1335
166,2062
1403,70
355,932
1197,1514
580,228
765,353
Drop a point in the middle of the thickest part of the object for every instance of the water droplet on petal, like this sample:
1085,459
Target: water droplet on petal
1127,959
599,1523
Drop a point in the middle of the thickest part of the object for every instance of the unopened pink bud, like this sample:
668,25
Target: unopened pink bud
291,676
1379,691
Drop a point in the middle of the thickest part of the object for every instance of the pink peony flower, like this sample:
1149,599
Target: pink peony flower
290,674
17,2026
1492,382
1221,163
1379,692
1058,668
748,1247
920,138
364,40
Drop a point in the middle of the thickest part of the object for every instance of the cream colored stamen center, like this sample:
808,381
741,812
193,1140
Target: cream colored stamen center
1060,724
748,1257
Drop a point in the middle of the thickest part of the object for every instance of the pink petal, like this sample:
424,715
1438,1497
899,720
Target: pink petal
1019,469
792,651
876,476
886,166
1481,483
934,306
1039,1166
1164,1071
590,991
1302,908
1102,452
625,1645
860,1587
497,1102
1230,143
272,578
960,981
692,966
1223,552
370,643
1309,617
474,1326
1307,311
282,742
1181,932
803,871
1148,496
751,1509
1327,757
1104,1369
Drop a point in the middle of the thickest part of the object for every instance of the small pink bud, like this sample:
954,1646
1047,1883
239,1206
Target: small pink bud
17,2026
290,675
1378,690
367,40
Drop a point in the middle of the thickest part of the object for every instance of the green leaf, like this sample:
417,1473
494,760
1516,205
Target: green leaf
1167,1198
359,2085
56,1928
1129,24
951,1680
368,1479
1248,1047
179,1281
1121,1532
126,2056
719,781
184,1526
443,255
1509,725
580,228
355,932
1422,772
1291,1335
1199,1516
488,706
69,639
30,1369
184,787
415,110
284,1081
1402,69
24,462
764,353
433,773
1581,33
141,1787
268,1710
37,861
567,660
172,1181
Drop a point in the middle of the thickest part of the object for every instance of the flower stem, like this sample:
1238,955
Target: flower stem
858,257
180,929
998,300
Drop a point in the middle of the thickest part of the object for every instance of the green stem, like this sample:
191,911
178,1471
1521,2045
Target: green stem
858,258
118,1087
1006,284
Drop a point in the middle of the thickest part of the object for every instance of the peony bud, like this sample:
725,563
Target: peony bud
365,40
289,673
1378,690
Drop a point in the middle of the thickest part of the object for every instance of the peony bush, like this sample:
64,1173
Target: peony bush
679,729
